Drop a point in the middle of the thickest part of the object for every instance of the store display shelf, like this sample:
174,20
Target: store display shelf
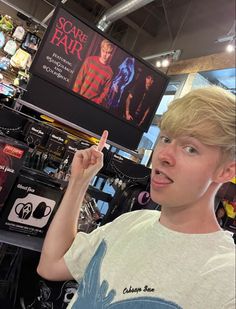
21,240
19,103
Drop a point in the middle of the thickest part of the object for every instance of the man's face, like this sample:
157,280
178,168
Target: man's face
149,81
106,52
183,171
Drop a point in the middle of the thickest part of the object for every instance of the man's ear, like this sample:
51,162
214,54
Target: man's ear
227,172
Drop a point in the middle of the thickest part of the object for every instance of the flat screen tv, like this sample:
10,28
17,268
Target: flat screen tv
81,75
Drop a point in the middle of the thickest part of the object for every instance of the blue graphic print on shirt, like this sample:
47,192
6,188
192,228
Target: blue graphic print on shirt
93,295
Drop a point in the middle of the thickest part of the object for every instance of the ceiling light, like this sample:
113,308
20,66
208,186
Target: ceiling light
230,48
165,63
158,64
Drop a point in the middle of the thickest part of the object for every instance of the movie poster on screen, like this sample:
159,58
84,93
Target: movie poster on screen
77,58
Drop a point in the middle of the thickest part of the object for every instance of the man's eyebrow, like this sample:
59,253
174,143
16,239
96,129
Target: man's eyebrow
189,138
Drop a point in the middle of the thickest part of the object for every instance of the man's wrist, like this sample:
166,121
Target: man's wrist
77,184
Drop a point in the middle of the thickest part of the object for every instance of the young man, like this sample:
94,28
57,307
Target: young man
94,78
179,258
138,102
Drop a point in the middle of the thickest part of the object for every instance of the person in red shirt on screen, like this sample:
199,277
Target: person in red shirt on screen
94,78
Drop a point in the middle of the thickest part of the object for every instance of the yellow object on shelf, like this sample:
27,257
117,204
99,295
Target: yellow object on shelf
68,129
230,209
49,119
233,180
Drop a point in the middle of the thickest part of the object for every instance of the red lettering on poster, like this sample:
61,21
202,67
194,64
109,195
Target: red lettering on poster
70,37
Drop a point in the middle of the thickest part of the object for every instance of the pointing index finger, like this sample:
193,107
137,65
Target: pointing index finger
102,141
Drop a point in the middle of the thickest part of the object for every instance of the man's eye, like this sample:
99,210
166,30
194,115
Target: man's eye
191,149
164,139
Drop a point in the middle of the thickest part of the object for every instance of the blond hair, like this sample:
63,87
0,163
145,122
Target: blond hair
207,114
107,43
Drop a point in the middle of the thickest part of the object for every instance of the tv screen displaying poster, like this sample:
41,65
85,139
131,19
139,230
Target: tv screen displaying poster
98,80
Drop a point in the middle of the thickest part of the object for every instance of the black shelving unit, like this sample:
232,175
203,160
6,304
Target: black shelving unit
21,240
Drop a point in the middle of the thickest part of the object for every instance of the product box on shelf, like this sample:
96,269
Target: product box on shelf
56,142
12,155
36,134
32,204
118,166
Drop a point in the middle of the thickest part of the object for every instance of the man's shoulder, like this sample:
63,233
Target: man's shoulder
138,216
127,222
224,256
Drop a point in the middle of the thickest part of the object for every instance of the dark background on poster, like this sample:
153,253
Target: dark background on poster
58,60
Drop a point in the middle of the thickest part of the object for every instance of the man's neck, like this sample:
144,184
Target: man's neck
101,60
190,220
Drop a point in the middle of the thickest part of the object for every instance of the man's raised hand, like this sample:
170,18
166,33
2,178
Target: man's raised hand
87,162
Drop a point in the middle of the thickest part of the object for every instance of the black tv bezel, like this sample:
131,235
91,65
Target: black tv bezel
38,78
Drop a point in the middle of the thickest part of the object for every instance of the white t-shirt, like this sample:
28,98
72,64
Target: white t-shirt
135,262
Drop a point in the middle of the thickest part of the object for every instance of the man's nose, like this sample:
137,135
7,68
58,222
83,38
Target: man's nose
167,154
